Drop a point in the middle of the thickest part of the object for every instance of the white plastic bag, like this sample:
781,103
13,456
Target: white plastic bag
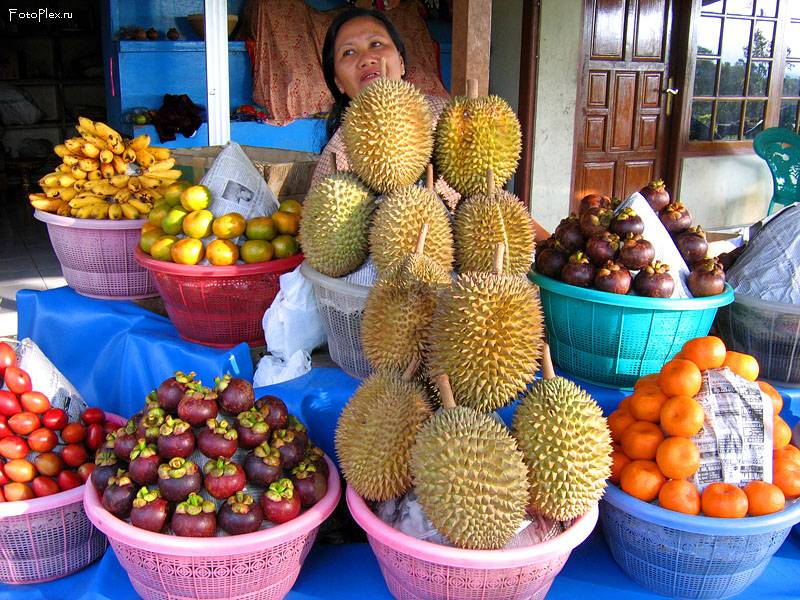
272,370
292,322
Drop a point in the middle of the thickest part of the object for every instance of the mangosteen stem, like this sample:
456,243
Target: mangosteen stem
423,233
548,371
499,251
472,88
429,177
411,369
489,183
383,67
443,383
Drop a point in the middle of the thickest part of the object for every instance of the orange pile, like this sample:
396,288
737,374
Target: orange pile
654,456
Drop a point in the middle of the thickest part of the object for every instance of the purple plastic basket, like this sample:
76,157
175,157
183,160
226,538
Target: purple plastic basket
96,256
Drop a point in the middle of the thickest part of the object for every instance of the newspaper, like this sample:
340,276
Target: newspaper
237,186
736,441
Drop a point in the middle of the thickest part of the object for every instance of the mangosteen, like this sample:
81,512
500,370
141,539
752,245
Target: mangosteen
707,278
198,405
124,440
590,201
252,429
140,34
316,456
727,259
172,390
595,221
309,483
150,510
106,465
578,271
235,395
143,467
274,411
150,423
636,252
551,260
627,221
152,34
178,478
194,517
223,478
175,438
300,431
173,34
675,218
612,277
119,494
692,244
263,465
656,195
654,281
289,446
240,514
218,439
602,248
280,503
569,234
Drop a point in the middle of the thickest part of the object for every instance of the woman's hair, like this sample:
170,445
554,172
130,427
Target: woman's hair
340,99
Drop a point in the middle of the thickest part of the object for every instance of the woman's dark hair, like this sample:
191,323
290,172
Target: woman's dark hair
340,99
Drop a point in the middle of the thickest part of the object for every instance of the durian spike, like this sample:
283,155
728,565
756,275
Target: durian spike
429,177
419,249
548,371
489,183
383,67
411,369
472,88
445,391
499,251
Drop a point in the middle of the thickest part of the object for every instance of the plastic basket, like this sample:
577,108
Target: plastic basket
262,565
218,306
611,340
96,256
415,569
770,331
341,306
687,556
48,538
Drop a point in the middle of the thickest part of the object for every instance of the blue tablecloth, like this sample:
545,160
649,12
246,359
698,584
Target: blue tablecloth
114,352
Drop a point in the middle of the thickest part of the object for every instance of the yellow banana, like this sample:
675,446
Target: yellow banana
149,182
154,195
87,125
96,174
94,140
107,171
142,207
81,183
120,181
70,160
42,202
129,155
100,210
60,150
74,145
63,168
64,210
160,153
84,201
122,195
115,212
106,132
89,164
162,165
134,184
129,211
90,150
106,156
66,180
68,193
49,180
145,158
120,166
52,192
85,212
117,147
140,142
105,188
78,173
167,176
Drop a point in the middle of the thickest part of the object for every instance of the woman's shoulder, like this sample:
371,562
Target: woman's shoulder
437,103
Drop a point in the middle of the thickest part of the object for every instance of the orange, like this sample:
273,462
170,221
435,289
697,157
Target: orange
624,403
775,396
641,439
764,498
678,457
620,461
618,421
642,479
743,365
681,496
646,402
682,415
781,433
786,475
651,379
680,377
724,500
706,352
789,452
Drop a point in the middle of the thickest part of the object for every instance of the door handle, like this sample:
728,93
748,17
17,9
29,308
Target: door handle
671,92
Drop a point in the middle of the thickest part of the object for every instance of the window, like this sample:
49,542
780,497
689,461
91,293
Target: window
790,92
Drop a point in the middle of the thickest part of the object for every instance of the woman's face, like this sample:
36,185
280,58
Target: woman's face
360,44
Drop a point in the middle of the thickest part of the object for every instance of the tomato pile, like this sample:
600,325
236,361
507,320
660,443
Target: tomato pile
42,452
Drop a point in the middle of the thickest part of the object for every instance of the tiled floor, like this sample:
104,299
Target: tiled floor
27,260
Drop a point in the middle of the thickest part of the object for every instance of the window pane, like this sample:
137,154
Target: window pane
713,5
788,114
794,9
700,128
708,35
791,79
759,78
729,118
734,45
763,37
740,7
793,39
705,77
754,118
766,8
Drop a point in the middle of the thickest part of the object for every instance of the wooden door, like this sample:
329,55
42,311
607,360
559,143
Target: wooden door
621,136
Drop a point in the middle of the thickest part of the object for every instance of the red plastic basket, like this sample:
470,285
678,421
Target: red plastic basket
96,256
218,306
262,565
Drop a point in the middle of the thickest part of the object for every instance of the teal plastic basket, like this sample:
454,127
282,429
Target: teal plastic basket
611,340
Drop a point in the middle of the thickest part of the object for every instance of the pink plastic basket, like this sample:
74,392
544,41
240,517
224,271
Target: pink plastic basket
96,256
218,306
48,538
262,565
415,569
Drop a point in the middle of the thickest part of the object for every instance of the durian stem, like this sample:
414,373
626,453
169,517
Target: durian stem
443,383
383,67
489,183
548,371
429,177
423,233
499,251
411,369
472,88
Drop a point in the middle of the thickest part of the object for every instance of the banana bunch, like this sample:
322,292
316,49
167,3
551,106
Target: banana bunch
105,176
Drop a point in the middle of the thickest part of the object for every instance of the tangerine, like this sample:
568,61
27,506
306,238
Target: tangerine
619,462
681,496
624,403
789,452
646,403
764,498
781,433
651,379
642,479
775,396
678,457
680,377
706,352
786,475
618,421
682,415
743,365
724,500
641,439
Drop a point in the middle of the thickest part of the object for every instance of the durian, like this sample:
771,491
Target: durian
485,219
567,446
470,477
487,335
375,432
475,134
399,309
388,133
334,230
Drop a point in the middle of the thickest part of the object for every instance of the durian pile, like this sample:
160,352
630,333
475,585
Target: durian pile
104,176
451,305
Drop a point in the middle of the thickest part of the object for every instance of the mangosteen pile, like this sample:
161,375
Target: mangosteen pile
201,462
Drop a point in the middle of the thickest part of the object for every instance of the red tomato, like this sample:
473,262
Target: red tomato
73,455
95,436
17,380
49,463
55,419
5,430
23,423
85,471
3,478
110,426
17,491
93,415
9,404
44,486
68,480
20,470
35,402
13,447
73,433
42,440
7,357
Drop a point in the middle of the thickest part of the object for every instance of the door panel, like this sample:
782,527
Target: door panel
609,27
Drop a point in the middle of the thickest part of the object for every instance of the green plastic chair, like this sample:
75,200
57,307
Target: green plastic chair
780,148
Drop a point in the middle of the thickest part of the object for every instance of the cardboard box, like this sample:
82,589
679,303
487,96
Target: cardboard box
287,173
